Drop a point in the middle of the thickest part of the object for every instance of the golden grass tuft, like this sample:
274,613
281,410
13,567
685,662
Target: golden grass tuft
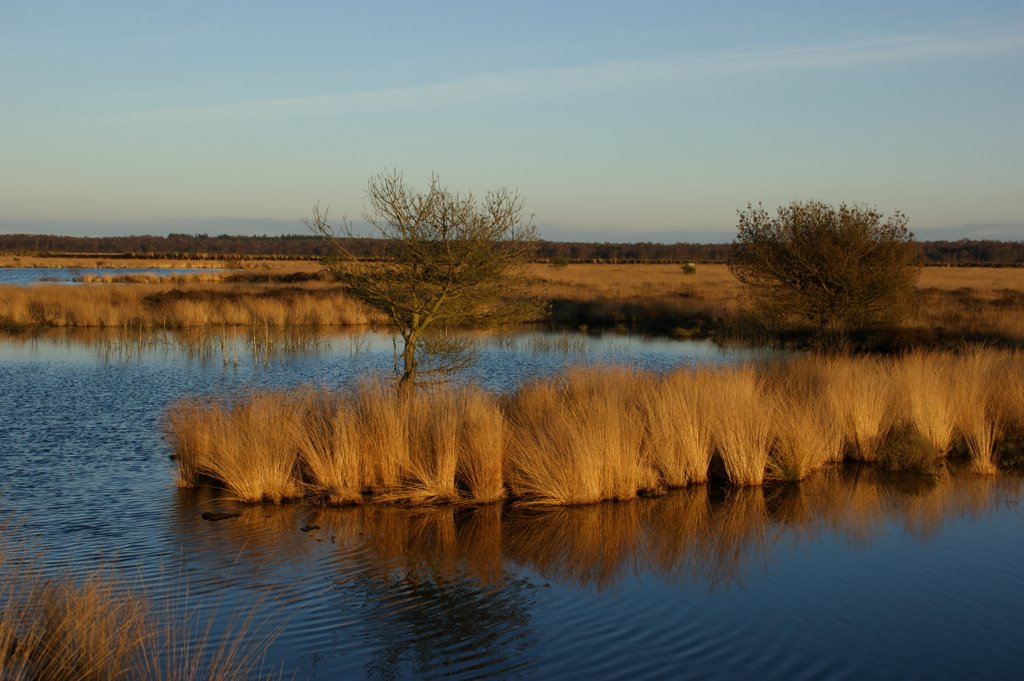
927,398
980,415
677,432
577,440
329,448
741,409
808,434
860,394
483,437
433,432
382,420
98,628
251,450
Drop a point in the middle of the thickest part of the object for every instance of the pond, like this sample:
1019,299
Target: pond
849,575
22,276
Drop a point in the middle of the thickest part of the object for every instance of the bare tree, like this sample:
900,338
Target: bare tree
449,261
830,268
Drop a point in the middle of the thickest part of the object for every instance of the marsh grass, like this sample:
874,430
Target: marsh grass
169,306
677,438
980,415
96,627
327,441
742,417
928,397
602,433
483,438
860,394
806,438
576,441
382,421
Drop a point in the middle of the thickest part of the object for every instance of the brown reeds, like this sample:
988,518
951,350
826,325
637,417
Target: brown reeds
742,417
980,415
97,628
860,393
170,306
677,426
927,398
484,433
808,434
328,441
577,440
600,433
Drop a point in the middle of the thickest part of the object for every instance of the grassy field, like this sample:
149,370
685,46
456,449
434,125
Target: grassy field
597,434
955,304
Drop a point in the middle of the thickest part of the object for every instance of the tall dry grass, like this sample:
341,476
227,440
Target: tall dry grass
439,446
328,443
97,628
968,303
860,395
576,439
483,438
676,415
169,306
599,433
808,431
382,419
742,418
247,446
981,414
927,396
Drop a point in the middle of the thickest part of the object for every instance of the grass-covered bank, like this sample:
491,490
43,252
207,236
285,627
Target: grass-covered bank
182,306
954,305
605,433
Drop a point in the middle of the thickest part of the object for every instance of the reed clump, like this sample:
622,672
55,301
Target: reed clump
808,429
676,413
98,628
575,441
604,433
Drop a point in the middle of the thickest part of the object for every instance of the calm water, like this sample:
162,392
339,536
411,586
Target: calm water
67,275
847,576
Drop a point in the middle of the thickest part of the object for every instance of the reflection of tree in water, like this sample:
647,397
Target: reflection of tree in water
435,600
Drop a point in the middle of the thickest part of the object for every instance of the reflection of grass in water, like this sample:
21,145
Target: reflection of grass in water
596,546
258,344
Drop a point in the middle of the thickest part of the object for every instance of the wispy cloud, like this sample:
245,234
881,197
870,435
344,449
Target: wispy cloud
612,75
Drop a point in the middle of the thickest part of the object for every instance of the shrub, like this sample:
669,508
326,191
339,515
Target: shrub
825,267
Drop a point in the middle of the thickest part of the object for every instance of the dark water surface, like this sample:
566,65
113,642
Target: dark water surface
846,576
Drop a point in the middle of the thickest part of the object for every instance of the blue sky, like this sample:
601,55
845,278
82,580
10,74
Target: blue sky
617,121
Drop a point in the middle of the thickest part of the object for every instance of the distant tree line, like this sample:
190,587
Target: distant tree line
962,252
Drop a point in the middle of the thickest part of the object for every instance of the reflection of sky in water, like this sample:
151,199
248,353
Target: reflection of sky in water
502,362
66,275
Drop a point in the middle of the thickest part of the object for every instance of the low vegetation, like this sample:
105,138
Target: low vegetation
597,434
953,305
97,628
170,306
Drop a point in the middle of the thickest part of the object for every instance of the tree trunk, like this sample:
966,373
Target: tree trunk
408,380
